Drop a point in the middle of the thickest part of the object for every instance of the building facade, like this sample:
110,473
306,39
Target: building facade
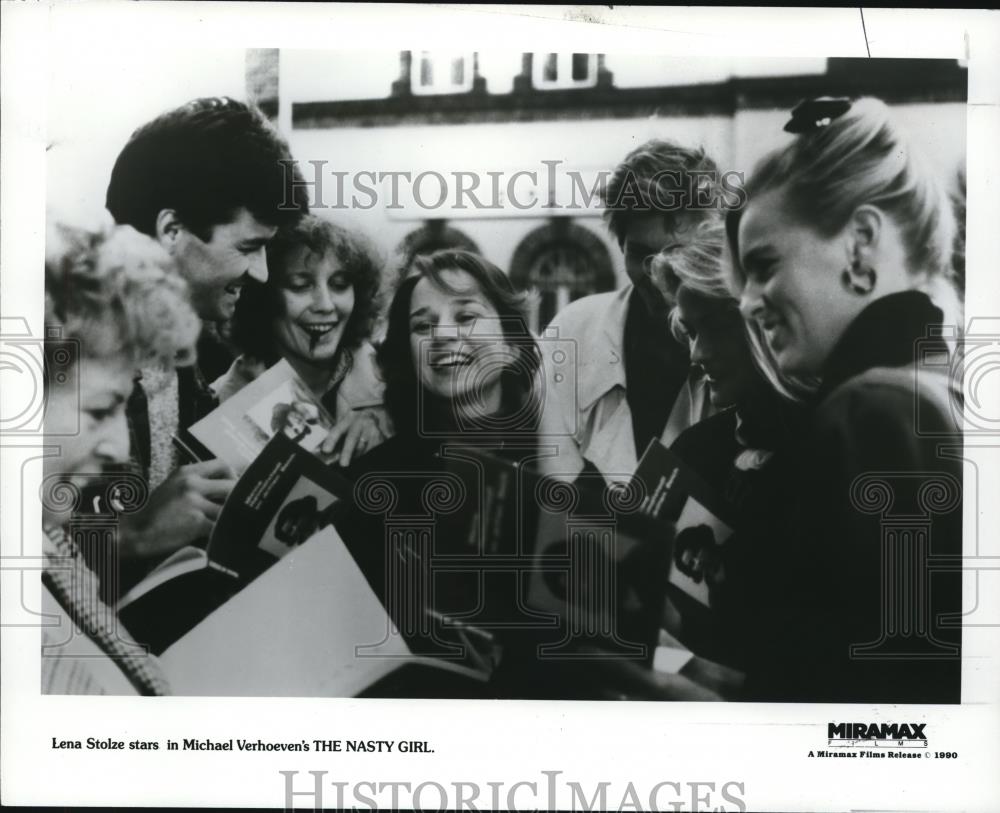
504,154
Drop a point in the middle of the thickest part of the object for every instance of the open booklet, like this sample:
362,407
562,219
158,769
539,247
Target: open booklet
574,563
279,501
277,402
674,493
311,626
276,604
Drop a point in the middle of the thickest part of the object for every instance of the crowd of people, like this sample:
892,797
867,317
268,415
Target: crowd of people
770,345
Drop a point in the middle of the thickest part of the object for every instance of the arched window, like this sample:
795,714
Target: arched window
432,236
558,263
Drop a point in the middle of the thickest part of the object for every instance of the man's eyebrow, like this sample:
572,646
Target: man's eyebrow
254,242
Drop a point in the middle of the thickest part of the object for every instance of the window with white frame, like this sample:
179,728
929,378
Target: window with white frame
552,71
436,72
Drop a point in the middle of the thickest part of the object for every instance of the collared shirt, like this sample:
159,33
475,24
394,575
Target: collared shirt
586,415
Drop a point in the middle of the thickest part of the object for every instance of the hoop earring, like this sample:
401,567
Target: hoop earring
849,278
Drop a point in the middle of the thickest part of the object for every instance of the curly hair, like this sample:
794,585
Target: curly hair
261,303
116,294
206,160
395,357
659,177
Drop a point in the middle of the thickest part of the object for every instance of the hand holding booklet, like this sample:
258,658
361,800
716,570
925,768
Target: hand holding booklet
674,493
275,603
291,612
278,604
281,499
277,402
270,433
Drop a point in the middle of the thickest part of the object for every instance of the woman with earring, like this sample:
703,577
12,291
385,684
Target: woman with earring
842,260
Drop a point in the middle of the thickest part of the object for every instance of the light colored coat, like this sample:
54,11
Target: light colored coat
585,413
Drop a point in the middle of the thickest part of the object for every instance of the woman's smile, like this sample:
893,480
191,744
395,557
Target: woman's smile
318,299
453,361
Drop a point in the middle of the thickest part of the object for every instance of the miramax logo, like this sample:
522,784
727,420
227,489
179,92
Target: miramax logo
905,735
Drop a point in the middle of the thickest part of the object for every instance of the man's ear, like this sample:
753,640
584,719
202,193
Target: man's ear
168,229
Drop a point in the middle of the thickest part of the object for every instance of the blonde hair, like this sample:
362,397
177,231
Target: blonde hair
116,294
860,157
701,266
695,264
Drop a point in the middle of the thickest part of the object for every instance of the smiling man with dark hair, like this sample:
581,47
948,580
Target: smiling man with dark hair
211,181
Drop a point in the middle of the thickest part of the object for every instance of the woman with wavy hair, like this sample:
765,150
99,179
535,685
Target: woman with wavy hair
458,355
461,370
113,303
317,310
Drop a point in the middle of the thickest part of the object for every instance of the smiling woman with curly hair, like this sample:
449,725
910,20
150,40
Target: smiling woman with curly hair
317,310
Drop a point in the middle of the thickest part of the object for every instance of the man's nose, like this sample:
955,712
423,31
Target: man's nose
257,269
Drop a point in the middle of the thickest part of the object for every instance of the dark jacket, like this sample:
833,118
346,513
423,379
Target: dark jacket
406,487
749,494
413,527
857,602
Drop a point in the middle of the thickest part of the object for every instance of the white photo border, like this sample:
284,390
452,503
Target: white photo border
761,747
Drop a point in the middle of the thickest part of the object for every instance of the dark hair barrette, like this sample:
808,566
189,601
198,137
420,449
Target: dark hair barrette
814,114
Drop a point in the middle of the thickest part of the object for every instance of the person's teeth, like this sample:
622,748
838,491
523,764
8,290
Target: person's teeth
318,330
449,360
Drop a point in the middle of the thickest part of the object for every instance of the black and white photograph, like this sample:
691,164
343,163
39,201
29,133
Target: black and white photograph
376,393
